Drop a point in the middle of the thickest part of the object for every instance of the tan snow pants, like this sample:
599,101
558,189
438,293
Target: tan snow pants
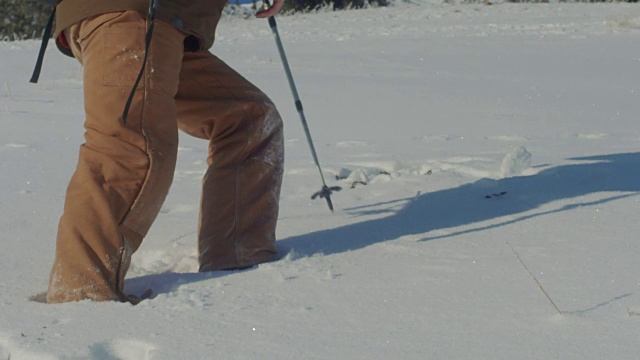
125,170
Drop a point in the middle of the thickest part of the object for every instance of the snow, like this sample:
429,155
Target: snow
489,162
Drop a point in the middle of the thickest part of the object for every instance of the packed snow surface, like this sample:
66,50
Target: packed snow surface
489,157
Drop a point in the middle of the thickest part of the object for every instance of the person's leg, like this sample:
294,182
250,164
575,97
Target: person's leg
241,188
124,171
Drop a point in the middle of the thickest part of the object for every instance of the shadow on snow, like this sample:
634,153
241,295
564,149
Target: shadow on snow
615,174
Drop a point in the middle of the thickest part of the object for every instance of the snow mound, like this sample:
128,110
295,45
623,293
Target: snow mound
516,162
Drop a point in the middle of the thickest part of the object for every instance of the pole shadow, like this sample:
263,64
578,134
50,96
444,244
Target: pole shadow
480,201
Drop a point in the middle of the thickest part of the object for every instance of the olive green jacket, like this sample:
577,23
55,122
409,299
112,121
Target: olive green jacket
195,17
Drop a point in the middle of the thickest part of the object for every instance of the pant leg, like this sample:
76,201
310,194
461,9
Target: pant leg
241,187
124,170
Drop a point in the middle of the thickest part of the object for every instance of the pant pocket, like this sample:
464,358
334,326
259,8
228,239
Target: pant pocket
88,26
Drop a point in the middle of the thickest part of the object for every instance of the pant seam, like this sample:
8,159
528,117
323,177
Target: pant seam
120,270
238,247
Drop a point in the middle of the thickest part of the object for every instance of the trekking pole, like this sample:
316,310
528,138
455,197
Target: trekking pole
326,191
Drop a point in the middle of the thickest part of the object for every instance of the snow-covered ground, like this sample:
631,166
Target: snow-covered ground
500,217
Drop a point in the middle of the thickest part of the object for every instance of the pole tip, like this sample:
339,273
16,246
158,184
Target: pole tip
325,192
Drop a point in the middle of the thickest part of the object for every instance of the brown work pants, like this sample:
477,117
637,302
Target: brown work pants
125,170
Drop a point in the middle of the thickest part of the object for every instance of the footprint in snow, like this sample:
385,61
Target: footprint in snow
591,136
122,349
441,137
10,146
508,138
346,144
12,349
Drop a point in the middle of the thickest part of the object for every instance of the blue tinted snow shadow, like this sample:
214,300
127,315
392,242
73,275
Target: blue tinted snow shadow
163,283
480,201
168,282
615,174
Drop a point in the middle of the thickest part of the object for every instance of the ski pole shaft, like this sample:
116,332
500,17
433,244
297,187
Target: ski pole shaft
294,92
325,192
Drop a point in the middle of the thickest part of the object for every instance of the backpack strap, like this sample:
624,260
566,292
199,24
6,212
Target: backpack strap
153,7
43,47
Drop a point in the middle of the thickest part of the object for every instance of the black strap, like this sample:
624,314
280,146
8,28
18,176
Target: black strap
43,47
153,5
